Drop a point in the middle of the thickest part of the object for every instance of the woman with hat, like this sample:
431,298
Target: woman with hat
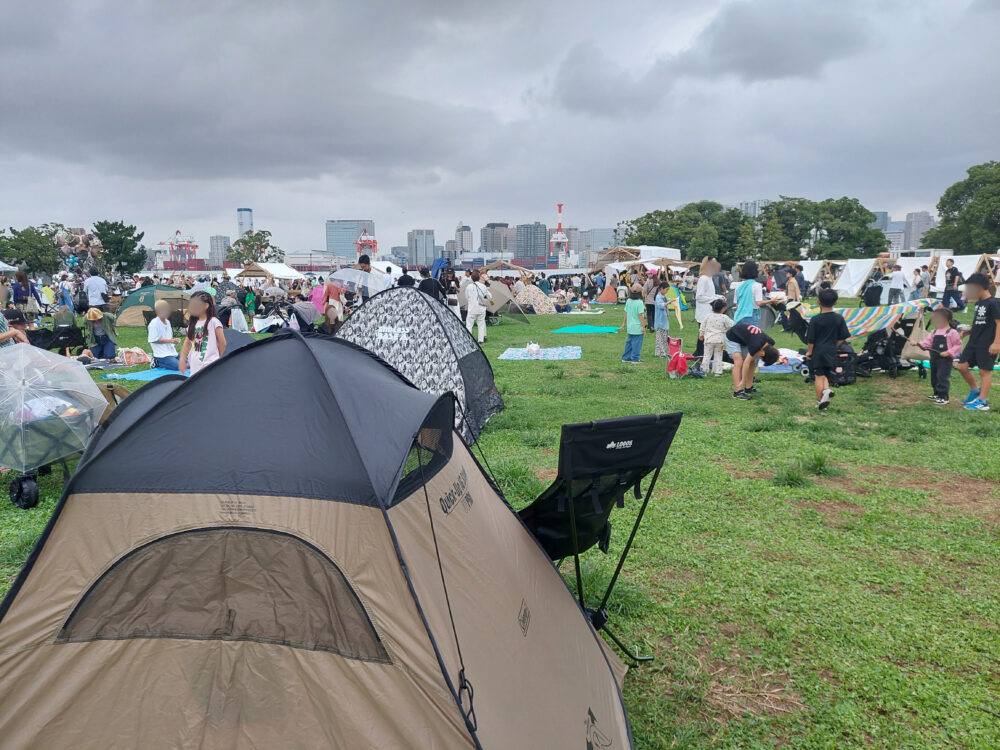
102,334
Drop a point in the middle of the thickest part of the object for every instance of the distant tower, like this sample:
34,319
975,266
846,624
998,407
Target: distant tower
366,244
244,221
559,242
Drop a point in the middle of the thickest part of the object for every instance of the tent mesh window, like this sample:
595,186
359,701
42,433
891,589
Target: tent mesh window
228,583
430,452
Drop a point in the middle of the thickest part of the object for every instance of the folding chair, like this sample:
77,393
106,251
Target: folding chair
598,463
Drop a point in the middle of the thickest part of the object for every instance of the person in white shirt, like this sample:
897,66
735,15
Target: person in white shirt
897,282
96,289
478,297
161,338
704,295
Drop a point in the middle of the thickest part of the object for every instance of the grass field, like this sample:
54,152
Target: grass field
804,579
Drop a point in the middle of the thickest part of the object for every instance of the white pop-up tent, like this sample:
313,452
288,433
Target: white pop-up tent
853,276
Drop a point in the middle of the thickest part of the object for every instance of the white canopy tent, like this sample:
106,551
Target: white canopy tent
277,271
7,267
853,277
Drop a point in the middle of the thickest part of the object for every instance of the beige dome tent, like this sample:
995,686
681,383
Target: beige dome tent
361,585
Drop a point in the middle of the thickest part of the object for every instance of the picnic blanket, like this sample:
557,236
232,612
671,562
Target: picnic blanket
864,320
141,376
555,352
586,312
586,329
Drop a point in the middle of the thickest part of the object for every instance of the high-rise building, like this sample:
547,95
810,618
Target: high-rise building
573,235
881,220
218,244
463,238
594,241
752,208
451,249
895,242
341,234
420,247
244,221
491,237
398,255
532,240
917,223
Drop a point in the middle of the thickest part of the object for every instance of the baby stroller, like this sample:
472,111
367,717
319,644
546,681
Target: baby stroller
846,372
872,295
883,350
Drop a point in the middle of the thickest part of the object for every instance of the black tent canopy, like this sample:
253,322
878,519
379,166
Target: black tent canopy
426,342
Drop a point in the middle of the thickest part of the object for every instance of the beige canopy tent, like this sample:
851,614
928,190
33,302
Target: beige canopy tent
505,265
616,254
278,271
384,597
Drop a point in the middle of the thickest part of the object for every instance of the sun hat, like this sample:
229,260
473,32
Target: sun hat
94,314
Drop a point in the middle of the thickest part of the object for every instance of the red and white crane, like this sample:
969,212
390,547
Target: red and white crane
559,242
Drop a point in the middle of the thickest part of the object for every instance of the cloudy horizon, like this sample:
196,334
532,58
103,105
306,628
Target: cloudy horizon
423,113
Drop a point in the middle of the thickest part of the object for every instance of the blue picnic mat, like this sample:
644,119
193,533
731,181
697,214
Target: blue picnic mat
141,375
555,352
586,329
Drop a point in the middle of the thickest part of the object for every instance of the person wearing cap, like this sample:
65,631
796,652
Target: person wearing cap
897,282
161,337
102,335
12,328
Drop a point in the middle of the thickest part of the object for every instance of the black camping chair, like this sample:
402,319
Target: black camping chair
598,463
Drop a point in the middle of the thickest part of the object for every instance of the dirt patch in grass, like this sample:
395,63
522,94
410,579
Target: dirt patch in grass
901,393
846,484
733,692
546,475
950,492
750,471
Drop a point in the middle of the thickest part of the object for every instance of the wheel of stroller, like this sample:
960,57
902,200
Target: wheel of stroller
797,368
893,370
803,370
24,492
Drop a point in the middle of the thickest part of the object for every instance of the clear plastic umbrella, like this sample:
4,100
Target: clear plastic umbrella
49,405
361,282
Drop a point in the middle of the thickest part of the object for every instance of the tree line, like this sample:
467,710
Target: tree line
836,228
35,249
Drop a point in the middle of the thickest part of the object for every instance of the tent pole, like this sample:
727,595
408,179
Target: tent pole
631,538
576,544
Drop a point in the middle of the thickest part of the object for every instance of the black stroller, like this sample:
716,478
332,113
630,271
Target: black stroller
883,350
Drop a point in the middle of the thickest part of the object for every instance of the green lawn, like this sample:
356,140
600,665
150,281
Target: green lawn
804,579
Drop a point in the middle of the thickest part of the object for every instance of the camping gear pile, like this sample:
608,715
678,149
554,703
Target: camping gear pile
48,407
384,595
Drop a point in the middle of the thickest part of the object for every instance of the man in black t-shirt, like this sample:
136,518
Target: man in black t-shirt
746,343
430,285
952,280
984,342
827,331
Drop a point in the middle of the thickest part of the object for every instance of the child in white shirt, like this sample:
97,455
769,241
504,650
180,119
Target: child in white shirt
713,335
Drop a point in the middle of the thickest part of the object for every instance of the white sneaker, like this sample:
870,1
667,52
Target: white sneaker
824,400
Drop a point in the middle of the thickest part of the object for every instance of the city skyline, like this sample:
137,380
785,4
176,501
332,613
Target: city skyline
721,100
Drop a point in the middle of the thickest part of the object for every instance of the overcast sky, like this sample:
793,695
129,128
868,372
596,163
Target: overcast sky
421,113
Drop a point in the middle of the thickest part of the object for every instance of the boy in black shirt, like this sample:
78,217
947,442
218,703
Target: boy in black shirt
826,332
746,343
984,342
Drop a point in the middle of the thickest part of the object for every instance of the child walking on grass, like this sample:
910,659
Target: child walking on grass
984,342
944,344
826,332
713,335
634,325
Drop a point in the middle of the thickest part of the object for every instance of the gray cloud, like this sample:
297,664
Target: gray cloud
424,112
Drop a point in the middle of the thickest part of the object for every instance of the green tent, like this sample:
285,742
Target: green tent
131,311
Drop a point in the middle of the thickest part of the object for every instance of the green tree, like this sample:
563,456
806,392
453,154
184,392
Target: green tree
255,247
969,212
843,230
774,242
747,244
34,248
677,228
122,251
704,241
